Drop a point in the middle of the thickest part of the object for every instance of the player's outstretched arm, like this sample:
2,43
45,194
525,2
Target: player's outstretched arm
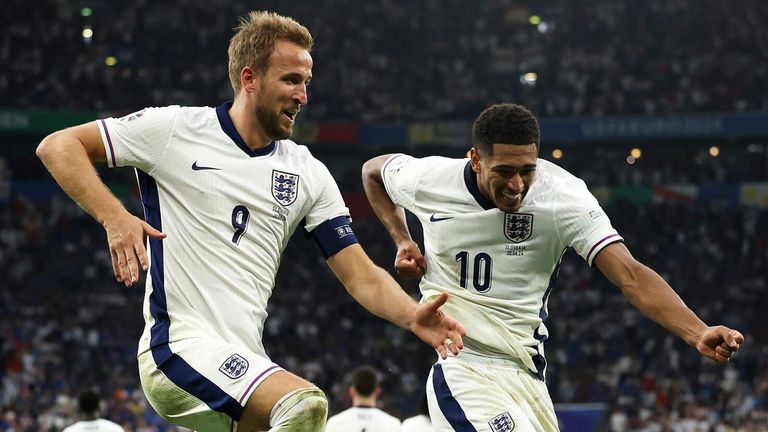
409,260
376,291
69,155
648,291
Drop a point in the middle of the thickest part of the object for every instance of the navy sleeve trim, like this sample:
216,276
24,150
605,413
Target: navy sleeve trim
333,235
602,244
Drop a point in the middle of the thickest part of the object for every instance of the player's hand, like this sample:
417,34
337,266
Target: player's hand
438,329
409,261
719,343
125,235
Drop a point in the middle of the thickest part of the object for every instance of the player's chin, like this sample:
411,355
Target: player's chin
285,132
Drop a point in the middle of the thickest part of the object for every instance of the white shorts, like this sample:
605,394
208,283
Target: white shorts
202,384
469,393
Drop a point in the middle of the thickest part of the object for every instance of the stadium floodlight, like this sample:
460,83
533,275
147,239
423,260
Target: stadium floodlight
87,35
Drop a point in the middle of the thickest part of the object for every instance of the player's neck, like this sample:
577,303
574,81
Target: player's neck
364,402
247,125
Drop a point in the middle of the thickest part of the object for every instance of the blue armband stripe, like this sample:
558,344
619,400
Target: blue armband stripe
333,235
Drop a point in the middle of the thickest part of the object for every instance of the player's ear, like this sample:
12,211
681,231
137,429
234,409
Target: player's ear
474,159
249,80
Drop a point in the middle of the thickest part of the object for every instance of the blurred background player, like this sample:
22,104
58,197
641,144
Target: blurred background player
90,412
420,422
363,415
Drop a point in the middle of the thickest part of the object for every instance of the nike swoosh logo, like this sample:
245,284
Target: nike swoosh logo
197,167
434,218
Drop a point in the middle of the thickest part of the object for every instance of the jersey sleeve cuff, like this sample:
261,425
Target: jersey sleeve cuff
597,247
106,141
333,235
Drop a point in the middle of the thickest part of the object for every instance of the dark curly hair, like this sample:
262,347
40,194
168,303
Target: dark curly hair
504,124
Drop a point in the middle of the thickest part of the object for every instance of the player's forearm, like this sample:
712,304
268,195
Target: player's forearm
69,164
657,300
383,297
393,219
391,215
372,287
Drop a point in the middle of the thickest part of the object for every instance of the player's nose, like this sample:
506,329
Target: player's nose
301,96
516,183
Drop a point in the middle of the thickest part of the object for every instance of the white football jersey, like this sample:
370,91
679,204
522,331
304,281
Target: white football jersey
499,268
359,419
418,423
228,212
97,425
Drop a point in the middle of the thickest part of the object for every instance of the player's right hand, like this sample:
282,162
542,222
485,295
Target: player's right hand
719,343
125,235
409,261
438,329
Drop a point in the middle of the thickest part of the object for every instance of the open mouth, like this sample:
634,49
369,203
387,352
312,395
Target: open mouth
290,114
512,197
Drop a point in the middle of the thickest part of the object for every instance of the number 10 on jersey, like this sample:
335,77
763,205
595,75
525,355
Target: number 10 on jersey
481,267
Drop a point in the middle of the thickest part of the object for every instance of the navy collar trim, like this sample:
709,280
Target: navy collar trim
222,112
470,178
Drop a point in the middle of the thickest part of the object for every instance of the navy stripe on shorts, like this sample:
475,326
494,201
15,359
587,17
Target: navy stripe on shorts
448,404
173,366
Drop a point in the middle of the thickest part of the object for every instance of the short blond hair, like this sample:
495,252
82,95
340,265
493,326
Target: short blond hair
255,40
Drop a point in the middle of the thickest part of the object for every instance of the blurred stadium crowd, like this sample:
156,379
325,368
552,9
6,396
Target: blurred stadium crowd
395,60
65,326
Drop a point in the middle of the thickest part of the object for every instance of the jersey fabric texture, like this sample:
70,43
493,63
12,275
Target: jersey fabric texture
228,212
98,425
358,419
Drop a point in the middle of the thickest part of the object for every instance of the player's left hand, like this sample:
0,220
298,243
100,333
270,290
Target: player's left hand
719,343
438,329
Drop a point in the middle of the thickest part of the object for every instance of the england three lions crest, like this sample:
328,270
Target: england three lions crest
234,367
518,226
285,187
502,423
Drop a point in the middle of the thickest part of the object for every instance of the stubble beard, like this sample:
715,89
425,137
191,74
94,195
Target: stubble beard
270,123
